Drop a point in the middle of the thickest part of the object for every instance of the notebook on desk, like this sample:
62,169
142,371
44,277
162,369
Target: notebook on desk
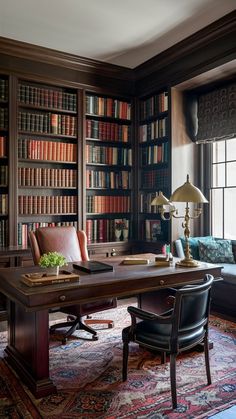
92,266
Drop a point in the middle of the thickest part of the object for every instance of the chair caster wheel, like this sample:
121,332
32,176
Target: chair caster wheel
95,337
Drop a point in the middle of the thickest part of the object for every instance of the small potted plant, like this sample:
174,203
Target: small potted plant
52,261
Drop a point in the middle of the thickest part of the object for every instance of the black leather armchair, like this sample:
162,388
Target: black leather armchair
179,329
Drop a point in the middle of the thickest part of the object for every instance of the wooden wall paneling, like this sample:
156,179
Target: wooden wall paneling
184,156
135,183
82,161
13,158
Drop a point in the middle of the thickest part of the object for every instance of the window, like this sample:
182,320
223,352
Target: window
223,189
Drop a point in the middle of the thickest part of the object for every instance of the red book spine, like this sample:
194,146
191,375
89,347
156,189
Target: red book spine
89,230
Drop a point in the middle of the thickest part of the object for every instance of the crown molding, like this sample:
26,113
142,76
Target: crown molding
199,40
49,56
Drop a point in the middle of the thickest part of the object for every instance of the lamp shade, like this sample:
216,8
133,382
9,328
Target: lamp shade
160,199
188,193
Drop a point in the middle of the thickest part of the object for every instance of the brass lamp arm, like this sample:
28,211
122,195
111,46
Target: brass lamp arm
171,214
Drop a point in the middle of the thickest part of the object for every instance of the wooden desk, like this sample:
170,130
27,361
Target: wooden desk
10,256
28,340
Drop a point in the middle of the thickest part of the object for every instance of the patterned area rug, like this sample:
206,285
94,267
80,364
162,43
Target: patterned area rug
88,378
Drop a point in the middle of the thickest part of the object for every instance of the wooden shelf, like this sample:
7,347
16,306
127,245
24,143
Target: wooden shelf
44,134
43,108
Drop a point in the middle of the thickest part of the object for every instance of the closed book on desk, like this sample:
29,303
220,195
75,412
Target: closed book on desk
162,263
162,260
135,261
92,266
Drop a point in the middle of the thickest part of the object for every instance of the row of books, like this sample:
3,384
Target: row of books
153,130
107,131
48,98
151,230
108,155
105,106
3,232
3,118
158,179
102,230
38,176
46,150
47,123
3,89
108,180
145,203
3,146
42,204
107,204
3,204
154,105
24,228
155,154
3,175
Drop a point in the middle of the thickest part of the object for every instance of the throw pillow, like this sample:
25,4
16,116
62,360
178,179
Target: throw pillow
219,251
194,244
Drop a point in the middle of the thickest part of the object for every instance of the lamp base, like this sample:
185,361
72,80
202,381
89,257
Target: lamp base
187,263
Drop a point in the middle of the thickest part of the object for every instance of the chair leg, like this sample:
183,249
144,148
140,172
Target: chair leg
87,329
163,357
74,325
173,380
125,360
109,323
207,361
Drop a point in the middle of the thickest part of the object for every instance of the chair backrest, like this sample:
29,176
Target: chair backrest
65,240
191,309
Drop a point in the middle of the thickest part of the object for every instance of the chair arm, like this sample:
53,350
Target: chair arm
147,315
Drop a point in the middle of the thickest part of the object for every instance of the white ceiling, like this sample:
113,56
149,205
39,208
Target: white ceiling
123,32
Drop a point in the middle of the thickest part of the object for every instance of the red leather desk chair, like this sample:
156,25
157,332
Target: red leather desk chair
73,245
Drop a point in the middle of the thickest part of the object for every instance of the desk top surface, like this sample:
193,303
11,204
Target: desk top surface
124,280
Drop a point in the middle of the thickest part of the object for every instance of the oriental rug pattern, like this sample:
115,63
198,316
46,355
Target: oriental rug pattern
88,378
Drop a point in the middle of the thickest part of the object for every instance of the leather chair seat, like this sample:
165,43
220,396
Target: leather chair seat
158,335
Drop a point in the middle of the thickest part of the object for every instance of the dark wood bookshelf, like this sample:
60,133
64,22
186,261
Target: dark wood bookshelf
156,108
101,224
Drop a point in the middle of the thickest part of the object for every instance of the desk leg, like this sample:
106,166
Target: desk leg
28,348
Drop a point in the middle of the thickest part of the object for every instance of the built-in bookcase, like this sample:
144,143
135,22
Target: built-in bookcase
47,157
4,136
108,168
154,163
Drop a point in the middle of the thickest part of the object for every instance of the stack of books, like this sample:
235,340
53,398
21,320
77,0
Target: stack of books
162,260
135,261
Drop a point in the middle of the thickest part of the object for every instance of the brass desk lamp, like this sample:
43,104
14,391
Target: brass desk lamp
186,193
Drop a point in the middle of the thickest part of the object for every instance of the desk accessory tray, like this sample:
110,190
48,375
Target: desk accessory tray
40,278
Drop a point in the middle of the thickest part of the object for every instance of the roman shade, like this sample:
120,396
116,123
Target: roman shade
212,116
